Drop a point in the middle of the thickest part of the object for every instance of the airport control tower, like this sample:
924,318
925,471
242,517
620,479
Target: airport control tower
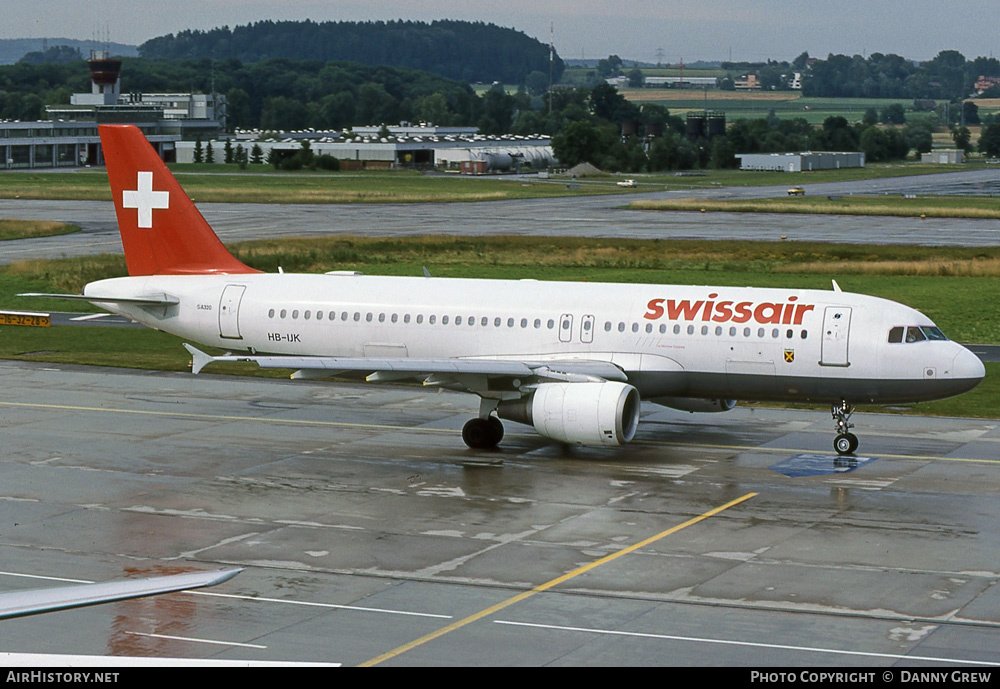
104,73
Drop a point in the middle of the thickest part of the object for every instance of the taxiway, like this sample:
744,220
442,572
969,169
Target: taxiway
586,216
371,534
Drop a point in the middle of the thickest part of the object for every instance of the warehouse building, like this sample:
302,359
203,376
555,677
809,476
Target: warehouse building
407,146
800,162
944,156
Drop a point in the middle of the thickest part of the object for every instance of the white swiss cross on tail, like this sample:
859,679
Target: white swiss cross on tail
144,199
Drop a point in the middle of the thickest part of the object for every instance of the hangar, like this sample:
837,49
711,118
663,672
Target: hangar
800,162
422,146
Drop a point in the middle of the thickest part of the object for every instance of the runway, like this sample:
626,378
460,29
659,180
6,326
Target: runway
371,535
588,216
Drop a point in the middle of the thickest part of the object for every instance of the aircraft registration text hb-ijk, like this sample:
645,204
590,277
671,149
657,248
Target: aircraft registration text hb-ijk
571,359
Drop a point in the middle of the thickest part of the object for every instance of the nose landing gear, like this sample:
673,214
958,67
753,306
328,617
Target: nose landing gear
846,442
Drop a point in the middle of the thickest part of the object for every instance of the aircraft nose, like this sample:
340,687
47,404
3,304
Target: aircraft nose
968,367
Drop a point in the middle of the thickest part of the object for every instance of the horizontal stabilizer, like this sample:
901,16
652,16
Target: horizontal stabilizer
151,300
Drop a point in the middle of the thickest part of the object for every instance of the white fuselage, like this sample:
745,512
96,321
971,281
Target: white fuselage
671,341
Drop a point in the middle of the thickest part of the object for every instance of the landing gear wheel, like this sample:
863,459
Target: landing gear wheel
482,433
845,443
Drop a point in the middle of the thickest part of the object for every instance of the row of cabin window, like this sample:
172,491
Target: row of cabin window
705,330
537,323
394,318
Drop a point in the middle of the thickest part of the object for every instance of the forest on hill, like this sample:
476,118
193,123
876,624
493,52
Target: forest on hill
466,51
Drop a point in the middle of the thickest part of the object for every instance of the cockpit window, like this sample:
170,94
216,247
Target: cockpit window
915,333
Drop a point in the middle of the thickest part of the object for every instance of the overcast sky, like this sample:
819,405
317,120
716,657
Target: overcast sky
633,29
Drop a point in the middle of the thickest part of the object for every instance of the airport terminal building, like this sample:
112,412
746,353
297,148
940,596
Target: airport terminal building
174,123
69,138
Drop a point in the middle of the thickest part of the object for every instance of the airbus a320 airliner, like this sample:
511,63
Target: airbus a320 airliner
571,359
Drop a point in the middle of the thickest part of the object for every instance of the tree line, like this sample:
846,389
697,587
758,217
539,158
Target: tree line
600,127
949,76
596,124
466,51
273,94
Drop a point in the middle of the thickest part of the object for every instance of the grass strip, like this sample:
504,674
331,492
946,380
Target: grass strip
227,183
899,206
26,229
321,188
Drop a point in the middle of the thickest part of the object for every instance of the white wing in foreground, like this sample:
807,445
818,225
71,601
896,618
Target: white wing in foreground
36,601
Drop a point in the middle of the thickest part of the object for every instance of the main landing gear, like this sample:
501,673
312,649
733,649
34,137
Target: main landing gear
846,442
482,433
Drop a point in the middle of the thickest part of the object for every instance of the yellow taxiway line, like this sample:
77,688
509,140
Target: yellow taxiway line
550,584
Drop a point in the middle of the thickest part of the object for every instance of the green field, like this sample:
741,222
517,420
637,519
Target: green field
785,104
23,229
753,178
266,186
898,206
755,105
221,183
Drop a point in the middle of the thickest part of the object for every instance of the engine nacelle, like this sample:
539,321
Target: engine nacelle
695,404
579,413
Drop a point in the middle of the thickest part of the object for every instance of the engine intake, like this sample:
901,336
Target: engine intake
599,414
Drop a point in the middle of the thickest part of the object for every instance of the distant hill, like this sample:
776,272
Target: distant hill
468,51
13,49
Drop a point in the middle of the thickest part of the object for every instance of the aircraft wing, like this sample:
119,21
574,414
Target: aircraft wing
405,367
36,601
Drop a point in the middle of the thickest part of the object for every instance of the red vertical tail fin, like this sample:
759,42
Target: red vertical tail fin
162,231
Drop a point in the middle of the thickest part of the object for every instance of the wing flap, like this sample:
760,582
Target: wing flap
406,367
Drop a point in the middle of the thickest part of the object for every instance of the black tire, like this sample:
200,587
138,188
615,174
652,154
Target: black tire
845,443
854,442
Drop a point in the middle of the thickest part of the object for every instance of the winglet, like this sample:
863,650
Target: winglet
162,231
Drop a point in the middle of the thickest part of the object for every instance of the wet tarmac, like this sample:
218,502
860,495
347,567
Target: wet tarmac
370,534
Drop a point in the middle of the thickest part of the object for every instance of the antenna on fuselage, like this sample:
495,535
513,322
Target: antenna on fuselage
836,287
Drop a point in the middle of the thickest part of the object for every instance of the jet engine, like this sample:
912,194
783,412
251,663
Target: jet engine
579,413
695,404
